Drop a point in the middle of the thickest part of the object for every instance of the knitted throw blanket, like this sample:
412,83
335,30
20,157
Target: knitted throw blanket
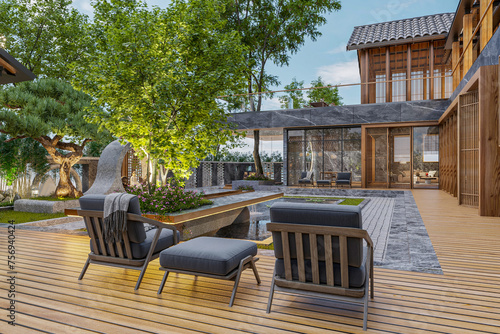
115,216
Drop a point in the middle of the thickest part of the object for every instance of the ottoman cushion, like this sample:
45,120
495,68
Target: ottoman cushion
217,256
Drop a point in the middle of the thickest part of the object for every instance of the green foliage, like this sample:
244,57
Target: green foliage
50,111
167,199
245,157
46,107
328,95
6,204
19,156
95,147
254,177
158,72
246,188
44,35
346,201
296,95
273,30
20,217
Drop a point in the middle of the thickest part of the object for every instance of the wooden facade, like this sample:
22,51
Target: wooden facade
470,33
405,72
469,149
448,154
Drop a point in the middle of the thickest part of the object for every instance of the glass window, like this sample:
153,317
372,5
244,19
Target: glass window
295,135
401,149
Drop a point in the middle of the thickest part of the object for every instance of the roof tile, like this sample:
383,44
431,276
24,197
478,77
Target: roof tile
373,34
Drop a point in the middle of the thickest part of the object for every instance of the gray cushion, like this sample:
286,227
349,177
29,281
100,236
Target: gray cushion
140,250
323,215
217,256
356,274
135,229
343,178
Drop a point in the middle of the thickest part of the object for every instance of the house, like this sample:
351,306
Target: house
429,112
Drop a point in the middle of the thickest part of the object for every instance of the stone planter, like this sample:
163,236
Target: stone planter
245,183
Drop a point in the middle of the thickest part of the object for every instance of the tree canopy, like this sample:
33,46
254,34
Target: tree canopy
50,111
44,35
329,94
157,74
273,30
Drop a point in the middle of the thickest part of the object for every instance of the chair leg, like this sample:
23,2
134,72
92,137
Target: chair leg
271,294
143,271
254,268
365,309
236,282
84,270
160,289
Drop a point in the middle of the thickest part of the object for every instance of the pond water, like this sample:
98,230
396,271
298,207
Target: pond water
255,229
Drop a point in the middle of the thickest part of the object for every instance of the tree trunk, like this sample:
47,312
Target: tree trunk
65,188
256,156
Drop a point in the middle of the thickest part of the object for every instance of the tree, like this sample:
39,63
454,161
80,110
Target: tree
157,73
50,111
296,95
273,30
19,157
328,95
44,35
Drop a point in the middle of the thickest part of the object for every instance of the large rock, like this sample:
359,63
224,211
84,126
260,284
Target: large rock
37,206
109,169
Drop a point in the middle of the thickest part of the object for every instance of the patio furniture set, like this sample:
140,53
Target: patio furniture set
321,250
336,178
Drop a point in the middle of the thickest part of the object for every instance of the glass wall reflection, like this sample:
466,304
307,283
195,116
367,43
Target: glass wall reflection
324,152
426,157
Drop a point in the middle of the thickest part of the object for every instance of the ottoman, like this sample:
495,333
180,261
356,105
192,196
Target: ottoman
210,257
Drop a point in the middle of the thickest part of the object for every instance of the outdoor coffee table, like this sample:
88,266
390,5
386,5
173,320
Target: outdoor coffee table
210,257
428,179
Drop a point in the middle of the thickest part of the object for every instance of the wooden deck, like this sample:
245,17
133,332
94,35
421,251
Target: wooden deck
466,299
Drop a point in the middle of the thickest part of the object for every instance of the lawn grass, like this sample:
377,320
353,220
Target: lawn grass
270,246
24,217
52,198
346,201
7,204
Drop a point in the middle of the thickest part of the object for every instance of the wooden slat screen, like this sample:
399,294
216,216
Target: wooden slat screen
448,154
469,149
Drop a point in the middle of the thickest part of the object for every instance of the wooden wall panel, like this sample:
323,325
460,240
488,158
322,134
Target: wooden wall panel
467,35
455,56
448,155
469,166
489,204
487,24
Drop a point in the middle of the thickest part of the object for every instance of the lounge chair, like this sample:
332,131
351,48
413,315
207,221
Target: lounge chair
344,179
138,247
306,178
319,252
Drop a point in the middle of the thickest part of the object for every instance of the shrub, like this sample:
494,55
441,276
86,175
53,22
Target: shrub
254,177
167,199
246,188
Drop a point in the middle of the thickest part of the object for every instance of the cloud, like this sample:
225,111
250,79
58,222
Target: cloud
340,73
84,6
339,49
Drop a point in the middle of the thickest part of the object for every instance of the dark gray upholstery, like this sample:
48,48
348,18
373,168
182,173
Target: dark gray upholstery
356,274
207,255
135,230
343,179
323,215
304,180
140,250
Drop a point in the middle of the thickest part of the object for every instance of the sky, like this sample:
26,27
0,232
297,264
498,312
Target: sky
327,56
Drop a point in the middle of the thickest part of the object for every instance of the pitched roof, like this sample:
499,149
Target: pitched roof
400,31
12,71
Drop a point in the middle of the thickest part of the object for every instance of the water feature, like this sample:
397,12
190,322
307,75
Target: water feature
255,229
